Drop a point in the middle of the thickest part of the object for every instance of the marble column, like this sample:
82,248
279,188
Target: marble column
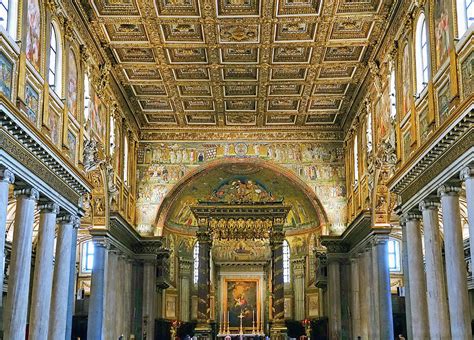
111,294
185,266
203,278
364,293
299,288
438,316
458,298
355,295
72,282
16,307
467,175
6,179
62,269
43,274
334,295
384,292
374,295
418,305
96,315
149,299
406,281
127,291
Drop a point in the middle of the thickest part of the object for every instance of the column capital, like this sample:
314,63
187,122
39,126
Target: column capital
429,204
69,219
449,190
49,207
467,172
7,176
30,193
379,239
411,216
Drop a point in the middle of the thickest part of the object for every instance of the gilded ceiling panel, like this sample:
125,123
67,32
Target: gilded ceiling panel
250,63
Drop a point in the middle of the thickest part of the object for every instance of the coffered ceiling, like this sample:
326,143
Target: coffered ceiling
239,63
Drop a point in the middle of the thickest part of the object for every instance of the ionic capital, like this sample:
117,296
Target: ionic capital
30,193
49,207
449,190
7,176
466,173
429,205
69,219
412,216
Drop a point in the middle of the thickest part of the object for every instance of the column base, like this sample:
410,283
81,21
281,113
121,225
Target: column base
278,330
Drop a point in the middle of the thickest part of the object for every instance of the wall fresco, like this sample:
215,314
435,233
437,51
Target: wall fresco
33,34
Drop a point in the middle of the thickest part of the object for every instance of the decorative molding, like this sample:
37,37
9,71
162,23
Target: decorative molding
20,141
30,193
48,208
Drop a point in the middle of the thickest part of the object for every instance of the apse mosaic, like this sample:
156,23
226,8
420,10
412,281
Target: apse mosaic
319,165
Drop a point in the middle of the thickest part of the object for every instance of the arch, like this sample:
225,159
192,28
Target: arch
169,200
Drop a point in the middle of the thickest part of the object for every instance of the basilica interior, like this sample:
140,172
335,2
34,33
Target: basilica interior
236,169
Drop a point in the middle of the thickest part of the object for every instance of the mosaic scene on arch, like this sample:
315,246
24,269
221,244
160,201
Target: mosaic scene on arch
162,165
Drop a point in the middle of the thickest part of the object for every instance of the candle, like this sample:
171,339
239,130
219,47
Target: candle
253,315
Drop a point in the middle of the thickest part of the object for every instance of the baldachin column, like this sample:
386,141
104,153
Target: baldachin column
458,298
20,265
418,306
62,269
43,274
6,179
435,280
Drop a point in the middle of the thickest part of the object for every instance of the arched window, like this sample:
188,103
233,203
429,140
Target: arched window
356,161
196,263
286,262
393,95
8,16
465,9
87,256
368,131
394,262
87,102
125,160
422,55
54,74
4,17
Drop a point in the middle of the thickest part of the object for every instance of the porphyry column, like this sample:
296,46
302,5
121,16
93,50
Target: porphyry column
204,241
278,288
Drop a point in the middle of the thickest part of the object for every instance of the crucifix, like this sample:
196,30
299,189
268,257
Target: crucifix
241,316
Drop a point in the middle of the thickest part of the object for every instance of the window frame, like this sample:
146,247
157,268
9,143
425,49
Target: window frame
54,66
462,11
355,164
396,253
11,24
87,252
422,61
